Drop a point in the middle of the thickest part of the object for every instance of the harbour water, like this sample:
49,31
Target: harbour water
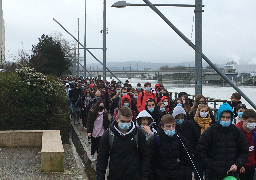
212,91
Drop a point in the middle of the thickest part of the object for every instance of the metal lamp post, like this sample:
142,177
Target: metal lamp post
198,34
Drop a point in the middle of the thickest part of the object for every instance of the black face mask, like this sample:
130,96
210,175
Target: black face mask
234,104
101,108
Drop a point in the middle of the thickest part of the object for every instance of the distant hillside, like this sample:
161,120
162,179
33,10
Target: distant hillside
134,65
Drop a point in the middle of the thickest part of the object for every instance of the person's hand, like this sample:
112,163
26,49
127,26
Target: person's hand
242,170
233,168
89,134
147,129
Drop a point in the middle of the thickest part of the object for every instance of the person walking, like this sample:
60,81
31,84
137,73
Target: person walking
223,148
97,124
125,146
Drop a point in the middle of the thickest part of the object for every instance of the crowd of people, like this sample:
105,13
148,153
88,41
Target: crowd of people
142,133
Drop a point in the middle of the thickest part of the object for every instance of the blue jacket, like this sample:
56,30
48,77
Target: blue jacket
222,108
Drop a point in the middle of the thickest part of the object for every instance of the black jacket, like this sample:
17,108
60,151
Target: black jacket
190,133
156,115
91,119
74,94
220,148
127,160
167,159
114,104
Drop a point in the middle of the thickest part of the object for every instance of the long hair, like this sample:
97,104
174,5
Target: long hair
95,108
196,102
199,108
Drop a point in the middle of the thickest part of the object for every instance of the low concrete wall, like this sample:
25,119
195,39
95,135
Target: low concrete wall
21,138
52,152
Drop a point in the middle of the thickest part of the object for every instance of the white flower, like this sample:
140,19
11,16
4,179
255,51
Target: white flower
28,83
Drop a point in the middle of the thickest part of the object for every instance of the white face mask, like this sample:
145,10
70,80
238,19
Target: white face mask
184,101
250,126
166,103
203,114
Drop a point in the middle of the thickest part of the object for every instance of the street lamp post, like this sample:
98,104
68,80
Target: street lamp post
198,34
104,40
85,40
198,50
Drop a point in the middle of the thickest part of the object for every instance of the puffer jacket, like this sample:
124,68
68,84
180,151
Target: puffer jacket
190,133
127,160
221,147
167,160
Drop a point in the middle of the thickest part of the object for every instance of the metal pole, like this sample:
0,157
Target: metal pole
85,41
78,52
77,65
104,41
203,56
88,50
198,51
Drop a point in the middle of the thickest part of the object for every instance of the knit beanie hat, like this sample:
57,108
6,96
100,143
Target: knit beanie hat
178,110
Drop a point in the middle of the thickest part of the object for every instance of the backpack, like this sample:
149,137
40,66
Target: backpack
111,139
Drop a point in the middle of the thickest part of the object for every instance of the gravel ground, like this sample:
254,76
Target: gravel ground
25,163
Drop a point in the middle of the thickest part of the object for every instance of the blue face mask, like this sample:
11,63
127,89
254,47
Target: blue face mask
124,126
126,104
170,133
148,88
162,109
118,90
151,109
179,104
139,88
225,123
179,121
240,114
124,93
136,97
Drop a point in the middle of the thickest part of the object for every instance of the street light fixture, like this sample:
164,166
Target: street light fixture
123,4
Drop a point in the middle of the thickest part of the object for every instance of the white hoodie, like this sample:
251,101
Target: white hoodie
144,113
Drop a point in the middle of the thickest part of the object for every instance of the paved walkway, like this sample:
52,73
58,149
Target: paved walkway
82,134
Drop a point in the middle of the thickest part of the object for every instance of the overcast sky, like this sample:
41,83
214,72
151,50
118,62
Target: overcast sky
136,33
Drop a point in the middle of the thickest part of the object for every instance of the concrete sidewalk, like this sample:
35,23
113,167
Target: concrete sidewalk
82,134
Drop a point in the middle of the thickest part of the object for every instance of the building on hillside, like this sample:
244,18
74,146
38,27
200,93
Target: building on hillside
2,37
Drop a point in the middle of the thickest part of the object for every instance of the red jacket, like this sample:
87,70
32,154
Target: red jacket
250,140
121,105
141,102
169,102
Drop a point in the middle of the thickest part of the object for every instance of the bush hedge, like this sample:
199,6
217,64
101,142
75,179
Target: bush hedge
30,100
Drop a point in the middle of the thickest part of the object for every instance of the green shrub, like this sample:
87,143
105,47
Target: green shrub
30,100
